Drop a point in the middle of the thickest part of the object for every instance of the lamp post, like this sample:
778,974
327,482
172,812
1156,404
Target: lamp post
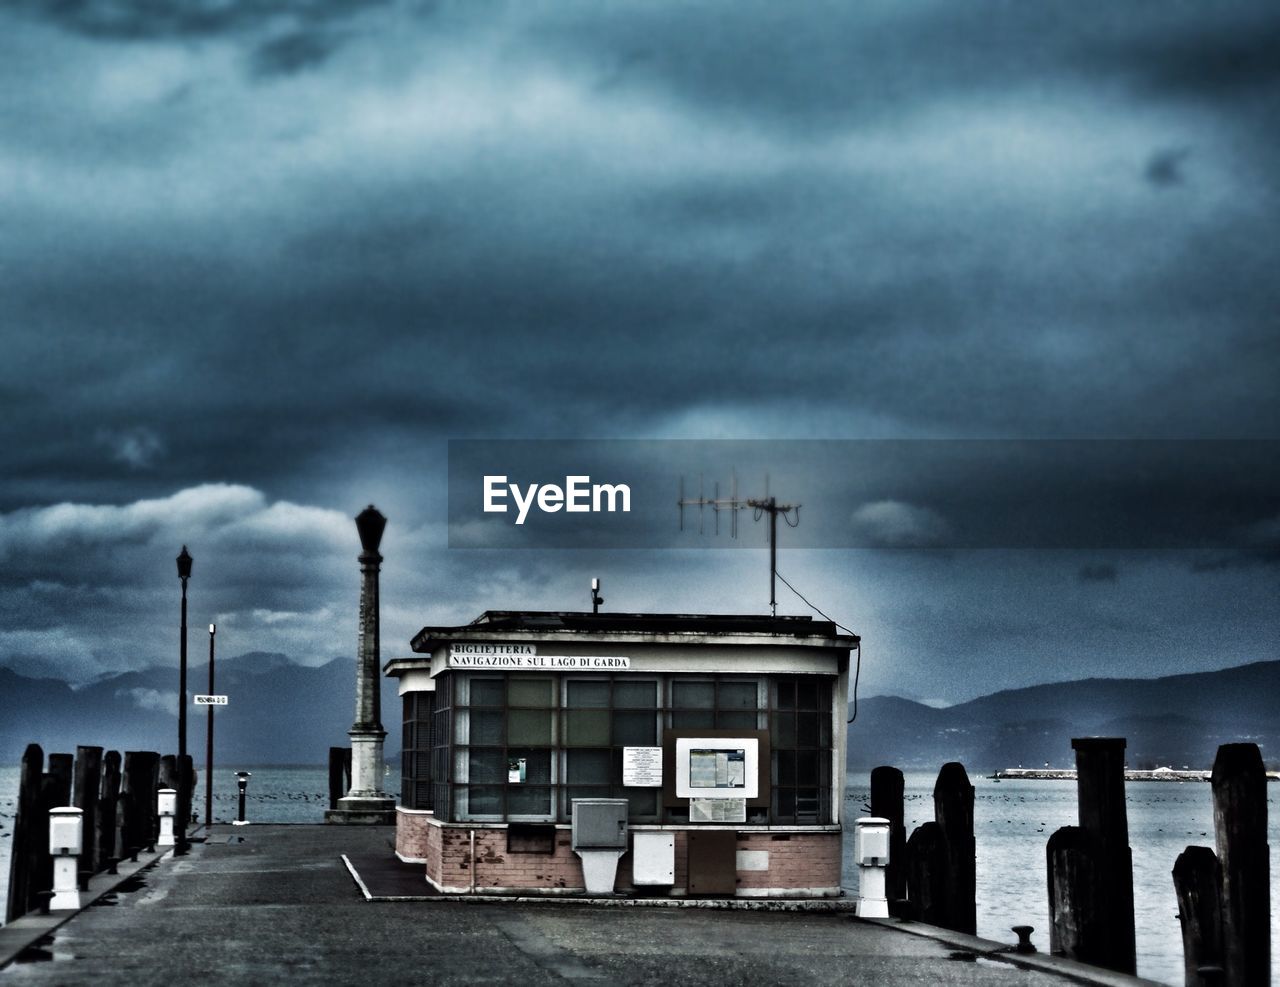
208,744
184,782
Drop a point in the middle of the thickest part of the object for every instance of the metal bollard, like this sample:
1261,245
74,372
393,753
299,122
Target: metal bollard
65,846
871,848
167,805
242,779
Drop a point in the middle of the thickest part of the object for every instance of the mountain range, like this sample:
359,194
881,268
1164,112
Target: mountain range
278,712
1177,720
283,713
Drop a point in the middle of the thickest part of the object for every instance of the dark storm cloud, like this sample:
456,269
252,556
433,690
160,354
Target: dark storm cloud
1098,572
1165,167
292,247
149,20
292,53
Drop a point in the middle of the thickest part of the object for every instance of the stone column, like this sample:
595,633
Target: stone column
366,803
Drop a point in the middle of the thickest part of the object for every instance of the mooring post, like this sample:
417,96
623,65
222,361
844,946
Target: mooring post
925,874
168,776
62,774
887,786
1240,821
1197,882
84,796
1100,791
151,767
105,824
187,776
22,859
127,805
953,810
1075,912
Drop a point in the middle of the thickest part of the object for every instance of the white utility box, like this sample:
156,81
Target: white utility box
872,849
64,831
653,859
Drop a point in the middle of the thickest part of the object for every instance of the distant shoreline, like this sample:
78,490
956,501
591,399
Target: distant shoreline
1130,774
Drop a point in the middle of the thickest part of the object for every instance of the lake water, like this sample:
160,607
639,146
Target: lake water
1012,822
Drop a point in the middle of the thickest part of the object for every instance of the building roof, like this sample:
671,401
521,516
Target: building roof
528,623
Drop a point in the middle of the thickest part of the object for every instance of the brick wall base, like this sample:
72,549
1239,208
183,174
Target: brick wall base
771,863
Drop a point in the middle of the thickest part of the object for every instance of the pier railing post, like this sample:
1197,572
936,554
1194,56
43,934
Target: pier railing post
1103,816
887,786
1075,882
953,810
1240,821
1197,881
940,859
925,874
187,780
22,859
84,796
107,830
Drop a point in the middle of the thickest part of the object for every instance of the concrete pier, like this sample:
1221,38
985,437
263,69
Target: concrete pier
274,904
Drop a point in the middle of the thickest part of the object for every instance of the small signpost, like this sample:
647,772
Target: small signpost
210,700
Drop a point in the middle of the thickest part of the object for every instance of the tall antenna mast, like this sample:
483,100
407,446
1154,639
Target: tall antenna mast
761,506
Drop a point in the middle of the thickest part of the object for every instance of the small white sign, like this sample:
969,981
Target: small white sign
210,700
642,767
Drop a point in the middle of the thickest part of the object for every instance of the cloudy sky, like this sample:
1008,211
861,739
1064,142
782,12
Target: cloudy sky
260,260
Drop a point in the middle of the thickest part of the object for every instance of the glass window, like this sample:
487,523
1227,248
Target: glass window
529,726
589,767
629,694
586,728
523,691
737,695
486,765
587,694
693,695
486,692
635,729
486,726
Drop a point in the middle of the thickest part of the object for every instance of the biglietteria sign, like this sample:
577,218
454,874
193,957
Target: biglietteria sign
515,657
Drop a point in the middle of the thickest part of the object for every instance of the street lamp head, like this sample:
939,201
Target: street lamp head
370,524
184,564
213,629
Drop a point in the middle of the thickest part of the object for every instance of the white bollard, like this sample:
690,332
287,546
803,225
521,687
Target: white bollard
65,828
871,849
167,807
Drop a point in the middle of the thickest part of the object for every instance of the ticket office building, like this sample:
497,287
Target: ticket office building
725,736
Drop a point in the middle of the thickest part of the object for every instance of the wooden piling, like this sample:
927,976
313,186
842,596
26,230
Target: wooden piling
1197,881
1240,821
62,776
887,785
106,833
1075,913
85,793
22,858
168,777
953,810
925,874
1102,813
131,804
187,777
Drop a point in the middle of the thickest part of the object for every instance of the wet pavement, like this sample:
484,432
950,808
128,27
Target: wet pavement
268,904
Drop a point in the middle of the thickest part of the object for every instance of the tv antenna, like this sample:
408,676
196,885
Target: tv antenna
760,506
